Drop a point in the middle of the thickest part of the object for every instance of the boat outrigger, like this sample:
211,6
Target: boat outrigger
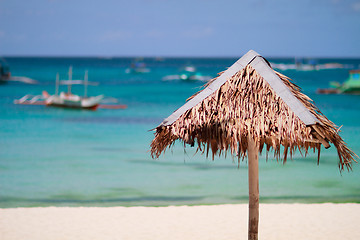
68,99
350,86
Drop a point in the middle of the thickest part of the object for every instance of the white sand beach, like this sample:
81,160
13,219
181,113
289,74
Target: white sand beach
277,221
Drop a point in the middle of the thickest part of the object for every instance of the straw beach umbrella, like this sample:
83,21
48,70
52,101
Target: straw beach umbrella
245,109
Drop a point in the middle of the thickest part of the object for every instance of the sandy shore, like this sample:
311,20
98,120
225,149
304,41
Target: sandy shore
277,221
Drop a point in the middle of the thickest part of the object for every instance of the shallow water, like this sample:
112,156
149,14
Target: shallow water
61,157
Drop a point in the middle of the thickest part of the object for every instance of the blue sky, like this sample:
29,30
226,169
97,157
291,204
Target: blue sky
306,28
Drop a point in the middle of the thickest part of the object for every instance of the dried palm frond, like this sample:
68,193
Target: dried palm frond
246,105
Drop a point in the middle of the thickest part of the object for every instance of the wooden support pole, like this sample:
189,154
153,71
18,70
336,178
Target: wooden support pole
253,167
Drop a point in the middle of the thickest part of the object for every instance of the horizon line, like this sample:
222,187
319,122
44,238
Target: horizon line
163,56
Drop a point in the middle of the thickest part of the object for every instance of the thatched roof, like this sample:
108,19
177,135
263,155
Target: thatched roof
251,99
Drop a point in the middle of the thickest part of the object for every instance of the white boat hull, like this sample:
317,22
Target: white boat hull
74,101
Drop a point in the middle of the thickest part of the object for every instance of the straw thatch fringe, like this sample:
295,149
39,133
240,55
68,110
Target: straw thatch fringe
247,105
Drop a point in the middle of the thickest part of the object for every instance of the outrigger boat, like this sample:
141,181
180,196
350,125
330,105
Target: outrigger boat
188,74
5,75
350,86
138,66
68,99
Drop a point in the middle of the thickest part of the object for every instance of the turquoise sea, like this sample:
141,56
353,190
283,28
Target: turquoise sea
61,157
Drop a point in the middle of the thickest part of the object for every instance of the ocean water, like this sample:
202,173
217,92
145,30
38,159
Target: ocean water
61,157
